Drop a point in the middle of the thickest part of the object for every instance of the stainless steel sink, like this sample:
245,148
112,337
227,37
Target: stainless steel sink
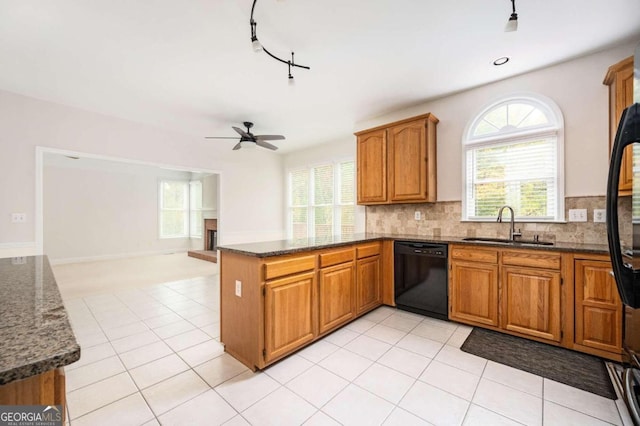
507,241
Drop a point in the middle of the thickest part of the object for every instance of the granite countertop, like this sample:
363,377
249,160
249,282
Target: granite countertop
34,329
282,247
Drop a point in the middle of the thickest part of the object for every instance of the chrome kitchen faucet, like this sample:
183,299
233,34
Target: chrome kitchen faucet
512,231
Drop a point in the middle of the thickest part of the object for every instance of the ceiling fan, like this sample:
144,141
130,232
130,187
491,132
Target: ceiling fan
249,140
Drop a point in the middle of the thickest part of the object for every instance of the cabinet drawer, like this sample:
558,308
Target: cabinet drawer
367,250
336,257
475,254
282,267
532,259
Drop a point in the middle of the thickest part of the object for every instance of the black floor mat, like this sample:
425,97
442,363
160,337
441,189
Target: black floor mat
572,368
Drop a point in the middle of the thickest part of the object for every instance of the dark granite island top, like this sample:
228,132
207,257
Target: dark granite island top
282,247
34,329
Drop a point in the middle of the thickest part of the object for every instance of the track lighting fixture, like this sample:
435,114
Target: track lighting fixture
512,23
258,47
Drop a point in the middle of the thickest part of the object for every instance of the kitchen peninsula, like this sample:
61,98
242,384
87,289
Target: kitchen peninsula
37,339
279,296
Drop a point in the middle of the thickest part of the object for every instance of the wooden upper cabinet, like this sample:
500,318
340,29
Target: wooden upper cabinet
598,309
397,162
619,78
531,302
372,167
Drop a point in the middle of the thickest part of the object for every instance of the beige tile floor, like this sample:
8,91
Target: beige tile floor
152,355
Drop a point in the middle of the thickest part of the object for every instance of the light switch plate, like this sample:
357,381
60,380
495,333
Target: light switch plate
599,215
577,215
238,288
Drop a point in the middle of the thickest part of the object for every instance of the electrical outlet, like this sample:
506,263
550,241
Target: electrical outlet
417,215
238,288
599,215
18,260
577,215
18,217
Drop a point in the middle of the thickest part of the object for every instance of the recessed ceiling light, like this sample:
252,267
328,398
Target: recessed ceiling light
501,61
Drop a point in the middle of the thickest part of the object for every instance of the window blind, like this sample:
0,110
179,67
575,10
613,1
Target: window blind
521,174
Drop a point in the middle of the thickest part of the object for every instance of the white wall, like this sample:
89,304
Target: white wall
97,209
332,151
248,178
576,86
210,196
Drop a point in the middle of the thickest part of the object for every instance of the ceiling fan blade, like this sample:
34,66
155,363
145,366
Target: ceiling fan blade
269,137
266,145
237,147
241,132
221,137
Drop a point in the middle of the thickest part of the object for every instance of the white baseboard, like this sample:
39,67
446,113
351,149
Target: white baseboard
18,249
114,256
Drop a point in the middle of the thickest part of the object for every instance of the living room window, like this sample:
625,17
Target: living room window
322,200
513,155
174,209
195,209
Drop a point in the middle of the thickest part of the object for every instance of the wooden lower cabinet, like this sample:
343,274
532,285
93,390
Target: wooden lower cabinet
289,314
531,302
270,307
565,299
474,292
598,308
336,295
368,293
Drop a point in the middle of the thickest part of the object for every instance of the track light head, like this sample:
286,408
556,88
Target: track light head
255,43
258,47
512,23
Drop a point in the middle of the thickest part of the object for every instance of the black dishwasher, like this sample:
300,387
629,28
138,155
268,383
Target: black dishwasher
420,278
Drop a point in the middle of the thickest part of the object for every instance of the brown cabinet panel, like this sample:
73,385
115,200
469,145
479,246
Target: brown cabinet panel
289,314
372,167
336,295
598,309
367,250
531,302
280,267
474,254
474,292
368,294
619,78
397,162
407,161
336,257
534,259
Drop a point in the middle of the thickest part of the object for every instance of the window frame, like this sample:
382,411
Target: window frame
337,205
555,128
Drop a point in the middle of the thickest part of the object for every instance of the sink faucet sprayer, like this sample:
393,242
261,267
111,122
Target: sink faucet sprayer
512,231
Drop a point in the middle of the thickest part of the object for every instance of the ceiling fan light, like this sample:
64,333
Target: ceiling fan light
255,43
247,145
512,23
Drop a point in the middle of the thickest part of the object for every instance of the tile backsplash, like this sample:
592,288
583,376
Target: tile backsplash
443,219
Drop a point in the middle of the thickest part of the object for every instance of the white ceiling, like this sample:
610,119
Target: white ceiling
189,66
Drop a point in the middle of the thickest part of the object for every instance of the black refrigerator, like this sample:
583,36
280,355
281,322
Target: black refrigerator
624,247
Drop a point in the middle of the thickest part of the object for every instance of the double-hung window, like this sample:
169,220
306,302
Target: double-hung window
513,155
321,200
174,209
